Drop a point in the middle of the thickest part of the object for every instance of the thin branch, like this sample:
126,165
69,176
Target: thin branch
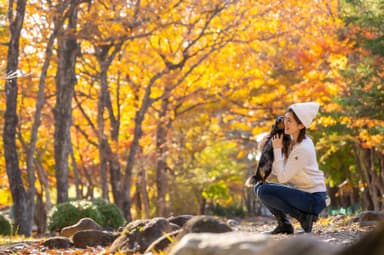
86,136
85,115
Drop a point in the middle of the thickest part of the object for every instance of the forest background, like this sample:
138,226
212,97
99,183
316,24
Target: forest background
157,106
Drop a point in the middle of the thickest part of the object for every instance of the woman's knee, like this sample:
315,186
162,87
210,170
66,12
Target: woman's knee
263,190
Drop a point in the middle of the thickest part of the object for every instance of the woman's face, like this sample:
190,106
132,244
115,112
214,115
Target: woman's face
292,127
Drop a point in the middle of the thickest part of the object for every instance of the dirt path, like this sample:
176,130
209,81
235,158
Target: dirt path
340,231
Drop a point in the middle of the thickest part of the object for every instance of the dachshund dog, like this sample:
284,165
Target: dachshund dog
264,167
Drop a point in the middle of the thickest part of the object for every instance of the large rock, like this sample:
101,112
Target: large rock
239,243
246,243
204,224
180,220
92,238
370,218
138,235
82,224
162,243
371,243
58,242
299,245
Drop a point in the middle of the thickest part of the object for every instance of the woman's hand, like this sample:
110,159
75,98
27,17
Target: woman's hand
277,141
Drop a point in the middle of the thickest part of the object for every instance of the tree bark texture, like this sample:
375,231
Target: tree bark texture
371,175
108,158
142,188
65,82
161,149
76,175
101,126
21,201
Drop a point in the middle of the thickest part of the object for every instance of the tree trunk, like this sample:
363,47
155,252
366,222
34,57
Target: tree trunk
65,82
115,179
142,187
43,179
368,162
106,154
366,166
381,173
23,203
101,135
33,138
125,200
203,205
377,181
332,195
75,172
30,160
40,215
161,166
136,199
367,200
88,174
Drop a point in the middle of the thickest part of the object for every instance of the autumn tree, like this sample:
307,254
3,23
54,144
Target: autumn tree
187,38
68,50
361,102
109,36
293,54
169,95
227,76
33,160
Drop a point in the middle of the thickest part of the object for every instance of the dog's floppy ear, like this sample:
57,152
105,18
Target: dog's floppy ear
276,126
280,122
280,125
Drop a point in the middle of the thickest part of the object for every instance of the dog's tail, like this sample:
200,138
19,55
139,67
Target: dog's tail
252,181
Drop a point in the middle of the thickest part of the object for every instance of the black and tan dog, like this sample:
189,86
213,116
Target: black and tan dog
264,167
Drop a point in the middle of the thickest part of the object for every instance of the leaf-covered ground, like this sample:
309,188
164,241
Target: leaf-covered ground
336,230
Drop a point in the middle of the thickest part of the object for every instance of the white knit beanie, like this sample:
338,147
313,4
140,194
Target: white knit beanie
306,112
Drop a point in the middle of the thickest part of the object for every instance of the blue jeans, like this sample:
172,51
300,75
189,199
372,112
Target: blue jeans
281,199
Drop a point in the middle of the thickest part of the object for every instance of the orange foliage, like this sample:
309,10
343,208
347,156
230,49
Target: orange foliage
243,67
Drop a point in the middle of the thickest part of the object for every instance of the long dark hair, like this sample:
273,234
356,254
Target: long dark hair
302,133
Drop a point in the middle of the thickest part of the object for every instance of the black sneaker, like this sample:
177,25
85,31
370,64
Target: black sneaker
306,221
282,228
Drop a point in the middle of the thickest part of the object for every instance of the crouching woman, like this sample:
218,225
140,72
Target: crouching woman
301,191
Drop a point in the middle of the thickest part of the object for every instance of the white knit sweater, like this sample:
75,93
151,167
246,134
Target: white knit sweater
300,169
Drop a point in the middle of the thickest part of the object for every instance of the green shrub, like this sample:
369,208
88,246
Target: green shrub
113,216
90,210
62,215
66,214
230,211
5,226
104,213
